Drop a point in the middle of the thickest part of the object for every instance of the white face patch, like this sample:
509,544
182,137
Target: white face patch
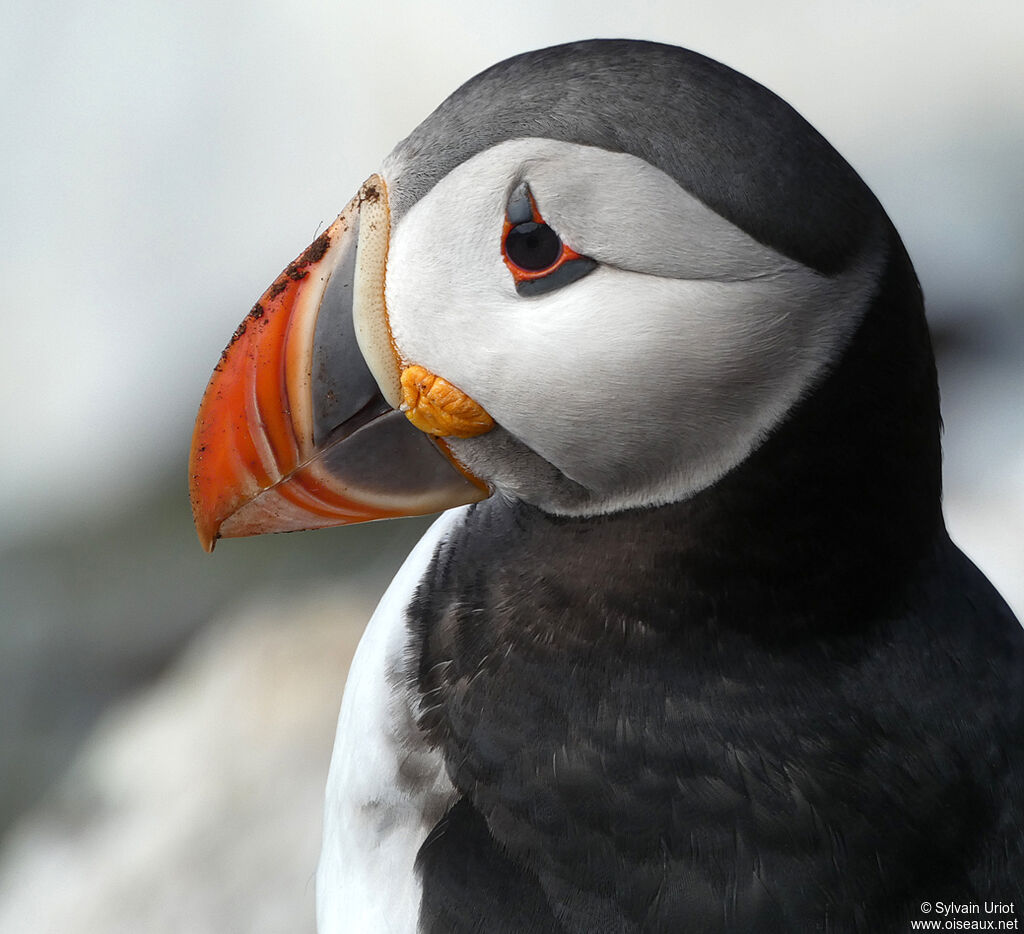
648,379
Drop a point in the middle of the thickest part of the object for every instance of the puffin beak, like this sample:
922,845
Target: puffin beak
308,420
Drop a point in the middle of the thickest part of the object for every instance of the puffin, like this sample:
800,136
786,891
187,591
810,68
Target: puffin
689,648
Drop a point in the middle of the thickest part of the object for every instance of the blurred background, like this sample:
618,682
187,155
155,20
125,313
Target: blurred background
166,718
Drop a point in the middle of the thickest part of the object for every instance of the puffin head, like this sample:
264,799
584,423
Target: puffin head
596,278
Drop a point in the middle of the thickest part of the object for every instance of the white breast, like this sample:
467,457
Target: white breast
386,788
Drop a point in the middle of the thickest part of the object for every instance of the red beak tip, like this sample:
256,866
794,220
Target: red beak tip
207,537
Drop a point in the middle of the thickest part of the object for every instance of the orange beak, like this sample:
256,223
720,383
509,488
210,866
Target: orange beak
294,431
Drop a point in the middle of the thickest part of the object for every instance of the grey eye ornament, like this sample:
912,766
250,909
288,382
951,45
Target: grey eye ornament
534,253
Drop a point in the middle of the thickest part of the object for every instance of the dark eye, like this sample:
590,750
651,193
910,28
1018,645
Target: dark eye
533,247
535,255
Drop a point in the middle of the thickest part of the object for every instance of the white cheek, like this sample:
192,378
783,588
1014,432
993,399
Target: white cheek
446,278
621,377
639,387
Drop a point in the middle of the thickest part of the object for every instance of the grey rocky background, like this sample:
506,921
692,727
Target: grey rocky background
166,717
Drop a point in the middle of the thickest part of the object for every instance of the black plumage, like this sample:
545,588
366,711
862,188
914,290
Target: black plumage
786,704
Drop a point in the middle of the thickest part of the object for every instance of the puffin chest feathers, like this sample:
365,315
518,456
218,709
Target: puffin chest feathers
690,649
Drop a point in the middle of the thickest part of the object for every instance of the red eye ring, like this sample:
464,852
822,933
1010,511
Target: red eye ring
537,224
